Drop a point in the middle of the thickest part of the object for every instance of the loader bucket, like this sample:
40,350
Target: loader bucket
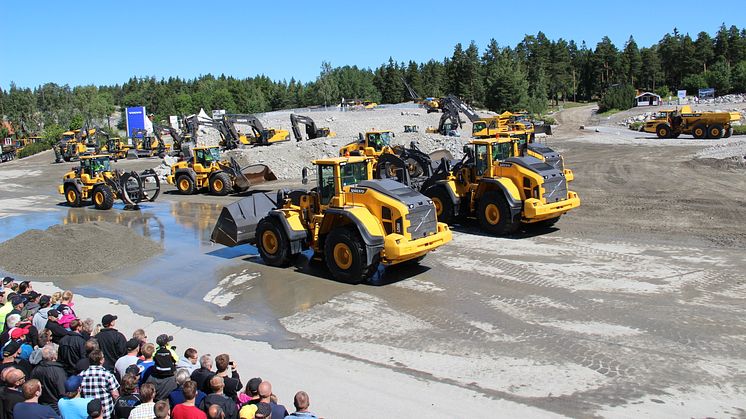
237,222
251,175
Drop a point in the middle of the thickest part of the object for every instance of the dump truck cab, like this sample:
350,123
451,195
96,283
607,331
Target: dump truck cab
94,179
499,188
372,143
350,221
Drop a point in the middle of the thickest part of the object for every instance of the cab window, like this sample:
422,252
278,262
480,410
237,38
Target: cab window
481,157
354,173
501,151
478,126
326,184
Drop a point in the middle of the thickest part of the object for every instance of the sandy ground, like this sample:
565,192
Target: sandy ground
631,306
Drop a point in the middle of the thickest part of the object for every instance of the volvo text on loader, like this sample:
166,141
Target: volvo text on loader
95,180
350,221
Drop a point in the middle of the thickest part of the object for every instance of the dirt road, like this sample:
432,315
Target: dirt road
631,306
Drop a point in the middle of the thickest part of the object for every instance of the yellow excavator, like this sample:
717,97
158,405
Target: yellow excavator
312,131
431,104
95,180
350,221
205,169
257,134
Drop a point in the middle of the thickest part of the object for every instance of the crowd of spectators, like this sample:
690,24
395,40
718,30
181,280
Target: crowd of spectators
57,365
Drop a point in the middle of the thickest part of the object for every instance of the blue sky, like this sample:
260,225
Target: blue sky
107,42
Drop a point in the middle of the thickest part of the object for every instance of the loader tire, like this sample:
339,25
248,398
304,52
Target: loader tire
442,202
272,243
715,131
699,131
494,214
103,197
663,131
345,256
220,184
185,185
72,196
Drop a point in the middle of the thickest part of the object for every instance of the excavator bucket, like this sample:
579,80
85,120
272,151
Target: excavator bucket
132,154
237,222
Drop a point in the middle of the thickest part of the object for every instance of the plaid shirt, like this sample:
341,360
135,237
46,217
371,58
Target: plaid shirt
98,383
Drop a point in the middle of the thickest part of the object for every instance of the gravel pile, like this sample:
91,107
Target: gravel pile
287,159
75,249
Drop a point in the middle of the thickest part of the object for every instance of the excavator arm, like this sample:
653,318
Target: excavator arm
312,131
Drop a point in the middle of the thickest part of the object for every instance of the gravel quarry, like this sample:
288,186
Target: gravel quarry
631,306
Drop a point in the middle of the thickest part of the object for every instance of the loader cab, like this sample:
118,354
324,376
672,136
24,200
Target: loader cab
95,165
378,140
206,156
335,174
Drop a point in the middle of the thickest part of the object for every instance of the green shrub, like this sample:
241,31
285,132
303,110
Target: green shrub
34,148
617,97
739,130
548,119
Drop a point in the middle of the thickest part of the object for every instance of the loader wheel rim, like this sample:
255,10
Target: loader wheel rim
492,214
270,242
438,207
99,198
218,185
342,256
71,195
183,184
662,132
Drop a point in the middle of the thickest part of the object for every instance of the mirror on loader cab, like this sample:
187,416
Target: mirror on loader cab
304,175
466,148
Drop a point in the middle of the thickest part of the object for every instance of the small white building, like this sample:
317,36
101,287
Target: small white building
647,99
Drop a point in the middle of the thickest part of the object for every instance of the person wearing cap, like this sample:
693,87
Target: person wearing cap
249,402
30,408
58,332
71,405
8,284
263,411
72,347
11,358
111,341
162,373
99,383
164,341
32,305
95,409
130,358
18,301
40,318
51,375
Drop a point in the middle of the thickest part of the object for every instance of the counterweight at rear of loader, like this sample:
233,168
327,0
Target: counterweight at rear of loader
350,222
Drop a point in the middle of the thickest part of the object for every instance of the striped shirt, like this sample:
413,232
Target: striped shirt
98,383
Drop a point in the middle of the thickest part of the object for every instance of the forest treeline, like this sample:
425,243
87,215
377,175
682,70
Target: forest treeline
531,75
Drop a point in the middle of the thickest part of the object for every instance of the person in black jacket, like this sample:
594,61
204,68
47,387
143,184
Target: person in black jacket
111,341
232,381
57,330
217,397
11,393
72,348
52,376
203,374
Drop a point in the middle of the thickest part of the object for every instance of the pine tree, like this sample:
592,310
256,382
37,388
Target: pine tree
703,50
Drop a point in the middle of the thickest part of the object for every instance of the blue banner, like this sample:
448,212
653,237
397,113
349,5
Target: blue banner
135,120
708,92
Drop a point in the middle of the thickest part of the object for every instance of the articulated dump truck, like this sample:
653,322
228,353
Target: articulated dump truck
672,123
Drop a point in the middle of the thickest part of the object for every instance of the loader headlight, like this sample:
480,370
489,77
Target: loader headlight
410,206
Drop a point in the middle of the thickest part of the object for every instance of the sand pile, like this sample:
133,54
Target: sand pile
75,249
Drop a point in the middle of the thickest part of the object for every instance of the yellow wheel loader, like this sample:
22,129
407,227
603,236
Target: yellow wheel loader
205,169
350,222
95,180
672,123
501,190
